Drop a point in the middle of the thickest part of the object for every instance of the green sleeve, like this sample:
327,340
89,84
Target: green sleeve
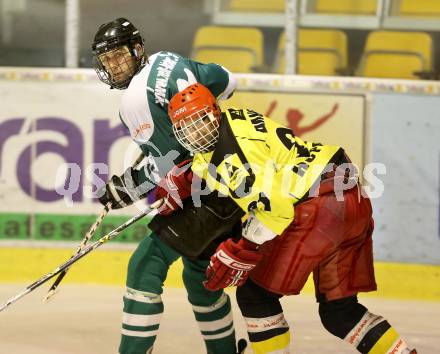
219,80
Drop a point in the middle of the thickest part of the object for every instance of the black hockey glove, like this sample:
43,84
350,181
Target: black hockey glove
122,190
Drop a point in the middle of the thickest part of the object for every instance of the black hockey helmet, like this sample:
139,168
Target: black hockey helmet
110,37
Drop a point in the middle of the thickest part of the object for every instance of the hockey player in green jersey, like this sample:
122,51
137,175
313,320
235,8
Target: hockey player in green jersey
306,214
149,82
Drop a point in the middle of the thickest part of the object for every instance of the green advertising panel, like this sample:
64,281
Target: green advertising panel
61,227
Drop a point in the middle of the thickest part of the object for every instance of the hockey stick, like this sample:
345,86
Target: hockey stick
81,254
86,239
53,289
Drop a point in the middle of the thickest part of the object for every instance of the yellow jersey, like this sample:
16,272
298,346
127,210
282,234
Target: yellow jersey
263,166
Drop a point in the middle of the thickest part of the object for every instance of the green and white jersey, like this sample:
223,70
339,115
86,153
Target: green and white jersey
144,104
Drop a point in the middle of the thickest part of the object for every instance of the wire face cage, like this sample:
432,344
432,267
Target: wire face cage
198,132
116,67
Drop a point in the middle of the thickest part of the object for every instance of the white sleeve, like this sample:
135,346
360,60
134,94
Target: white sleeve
134,109
255,231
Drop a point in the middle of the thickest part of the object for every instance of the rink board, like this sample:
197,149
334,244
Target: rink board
108,267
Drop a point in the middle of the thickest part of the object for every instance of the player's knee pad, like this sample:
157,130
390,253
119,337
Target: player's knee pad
194,272
340,316
255,301
148,266
193,276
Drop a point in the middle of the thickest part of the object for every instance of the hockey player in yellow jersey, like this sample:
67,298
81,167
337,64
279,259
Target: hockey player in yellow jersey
306,214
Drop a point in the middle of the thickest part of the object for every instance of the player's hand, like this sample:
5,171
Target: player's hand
231,264
174,188
122,190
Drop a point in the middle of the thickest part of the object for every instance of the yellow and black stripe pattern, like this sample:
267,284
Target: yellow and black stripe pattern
374,335
268,334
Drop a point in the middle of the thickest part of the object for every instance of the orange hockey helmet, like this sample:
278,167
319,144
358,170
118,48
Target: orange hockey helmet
195,116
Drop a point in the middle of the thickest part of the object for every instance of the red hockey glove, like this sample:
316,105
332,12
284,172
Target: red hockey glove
174,188
231,264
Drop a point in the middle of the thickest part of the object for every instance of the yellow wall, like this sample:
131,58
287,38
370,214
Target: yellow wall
25,265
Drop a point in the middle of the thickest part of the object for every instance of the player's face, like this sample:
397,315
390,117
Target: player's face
119,63
202,132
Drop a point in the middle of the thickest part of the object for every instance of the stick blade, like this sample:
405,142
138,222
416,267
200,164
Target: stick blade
50,294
